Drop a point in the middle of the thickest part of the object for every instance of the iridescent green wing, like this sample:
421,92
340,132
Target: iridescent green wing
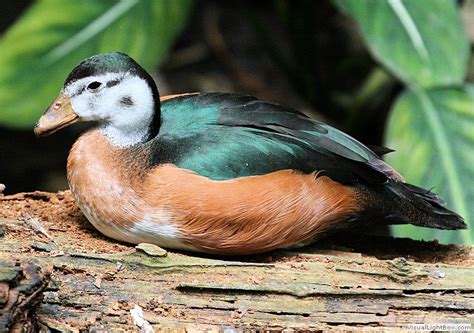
225,136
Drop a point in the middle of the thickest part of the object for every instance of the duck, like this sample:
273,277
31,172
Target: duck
220,173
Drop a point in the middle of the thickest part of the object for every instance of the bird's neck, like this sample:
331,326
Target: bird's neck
155,123
125,133
122,138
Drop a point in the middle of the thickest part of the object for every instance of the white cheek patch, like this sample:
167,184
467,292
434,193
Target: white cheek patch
125,106
130,122
139,109
85,107
89,105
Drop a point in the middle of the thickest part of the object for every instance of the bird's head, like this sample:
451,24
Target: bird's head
112,90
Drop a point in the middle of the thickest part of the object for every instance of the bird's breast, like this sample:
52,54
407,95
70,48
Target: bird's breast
110,197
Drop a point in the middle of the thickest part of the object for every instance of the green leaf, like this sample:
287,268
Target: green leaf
433,134
419,41
43,46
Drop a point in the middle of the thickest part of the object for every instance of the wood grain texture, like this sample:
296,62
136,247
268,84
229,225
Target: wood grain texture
21,287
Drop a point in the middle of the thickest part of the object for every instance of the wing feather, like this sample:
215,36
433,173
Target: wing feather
225,136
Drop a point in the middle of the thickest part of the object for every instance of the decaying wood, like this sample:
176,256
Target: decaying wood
21,288
349,281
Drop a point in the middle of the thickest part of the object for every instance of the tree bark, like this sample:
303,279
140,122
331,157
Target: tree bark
347,281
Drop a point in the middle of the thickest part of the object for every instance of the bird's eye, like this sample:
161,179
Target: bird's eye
94,86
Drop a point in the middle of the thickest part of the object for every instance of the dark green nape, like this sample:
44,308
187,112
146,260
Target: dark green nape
112,62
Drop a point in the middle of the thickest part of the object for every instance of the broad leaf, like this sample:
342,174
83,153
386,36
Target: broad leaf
43,46
419,41
433,134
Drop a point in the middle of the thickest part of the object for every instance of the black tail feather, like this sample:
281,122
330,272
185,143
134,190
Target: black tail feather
424,208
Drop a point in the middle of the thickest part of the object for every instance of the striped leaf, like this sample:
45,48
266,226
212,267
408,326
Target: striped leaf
433,133
419,41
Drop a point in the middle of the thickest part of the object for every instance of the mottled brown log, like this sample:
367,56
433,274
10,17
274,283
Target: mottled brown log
21,287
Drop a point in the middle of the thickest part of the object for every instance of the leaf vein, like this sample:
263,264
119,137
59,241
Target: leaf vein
410,27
